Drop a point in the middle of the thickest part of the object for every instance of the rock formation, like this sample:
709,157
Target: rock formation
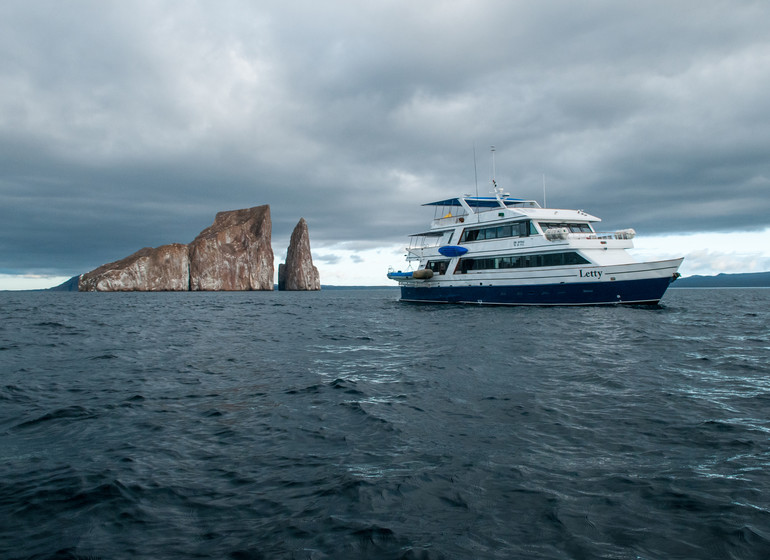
298,273
234,253
166,268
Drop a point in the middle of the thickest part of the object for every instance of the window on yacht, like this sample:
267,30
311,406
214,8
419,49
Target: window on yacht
438,266
573,227
515,229
520,261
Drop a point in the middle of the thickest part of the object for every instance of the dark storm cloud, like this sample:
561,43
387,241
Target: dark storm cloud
131,124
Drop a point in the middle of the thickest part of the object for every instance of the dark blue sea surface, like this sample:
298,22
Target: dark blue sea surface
344,424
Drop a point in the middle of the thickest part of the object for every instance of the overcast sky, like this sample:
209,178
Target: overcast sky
131,124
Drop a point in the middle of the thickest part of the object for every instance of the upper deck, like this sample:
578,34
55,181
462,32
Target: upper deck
452,212
492,221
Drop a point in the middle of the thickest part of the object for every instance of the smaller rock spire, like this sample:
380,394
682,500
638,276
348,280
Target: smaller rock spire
298,273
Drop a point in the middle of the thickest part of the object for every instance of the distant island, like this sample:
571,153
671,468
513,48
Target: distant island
232,254
71,285
747,280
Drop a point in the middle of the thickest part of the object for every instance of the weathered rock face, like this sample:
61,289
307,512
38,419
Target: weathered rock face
234,253
166,268
298,273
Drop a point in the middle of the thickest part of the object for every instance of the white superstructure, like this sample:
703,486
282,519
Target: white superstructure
502,250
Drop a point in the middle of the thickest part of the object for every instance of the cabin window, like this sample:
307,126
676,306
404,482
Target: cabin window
574,258
572,227
516,229
438,266
520,261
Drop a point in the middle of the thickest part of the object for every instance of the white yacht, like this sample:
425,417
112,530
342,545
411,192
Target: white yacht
500,250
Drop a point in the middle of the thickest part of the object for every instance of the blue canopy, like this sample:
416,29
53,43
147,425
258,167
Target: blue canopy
476,201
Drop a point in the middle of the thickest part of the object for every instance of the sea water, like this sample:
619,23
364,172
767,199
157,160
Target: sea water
344,424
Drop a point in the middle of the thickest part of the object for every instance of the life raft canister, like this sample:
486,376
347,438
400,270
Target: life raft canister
452,250
423,274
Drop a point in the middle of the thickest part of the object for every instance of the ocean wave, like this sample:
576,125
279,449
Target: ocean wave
218,426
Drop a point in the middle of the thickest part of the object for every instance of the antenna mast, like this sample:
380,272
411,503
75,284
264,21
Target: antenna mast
475,172
544,204
499,191
494,183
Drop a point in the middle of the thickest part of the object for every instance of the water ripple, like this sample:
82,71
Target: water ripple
343,424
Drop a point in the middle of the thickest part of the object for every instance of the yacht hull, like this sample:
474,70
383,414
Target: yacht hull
646,291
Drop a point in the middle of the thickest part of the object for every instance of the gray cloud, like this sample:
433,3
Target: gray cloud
326,258
126,125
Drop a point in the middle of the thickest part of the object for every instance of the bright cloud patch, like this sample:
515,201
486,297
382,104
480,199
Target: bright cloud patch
710,253
345,266
29,281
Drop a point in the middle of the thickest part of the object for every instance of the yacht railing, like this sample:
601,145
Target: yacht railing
604,235
420,243
448,221
561,234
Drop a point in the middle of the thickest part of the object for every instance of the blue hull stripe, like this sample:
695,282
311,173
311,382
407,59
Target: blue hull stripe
585,293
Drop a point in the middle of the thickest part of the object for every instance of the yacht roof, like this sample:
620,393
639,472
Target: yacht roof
476,201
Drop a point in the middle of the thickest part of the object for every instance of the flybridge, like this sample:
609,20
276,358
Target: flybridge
452,211
484,202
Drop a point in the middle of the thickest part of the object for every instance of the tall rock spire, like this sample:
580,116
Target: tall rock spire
298,273
234,253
